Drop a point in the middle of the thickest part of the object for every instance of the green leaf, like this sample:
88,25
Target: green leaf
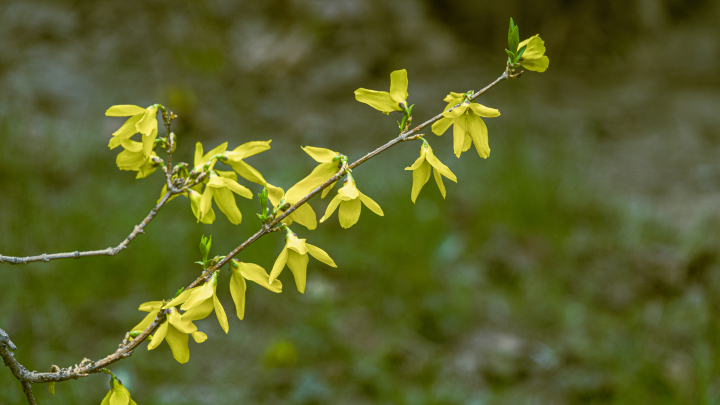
511,55
205,244
51,388
514,39
520,53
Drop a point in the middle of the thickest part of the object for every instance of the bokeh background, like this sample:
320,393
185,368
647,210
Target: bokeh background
577,265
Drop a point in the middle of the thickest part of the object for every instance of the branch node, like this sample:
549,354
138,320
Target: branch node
76,254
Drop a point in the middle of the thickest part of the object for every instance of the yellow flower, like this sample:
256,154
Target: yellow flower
199,302
235,160
386,102
175,330
133,158
469,127
294,254
303,215
328,167
534,56
221,187
118,395
201,159
252,272
142,120
349,199
422,167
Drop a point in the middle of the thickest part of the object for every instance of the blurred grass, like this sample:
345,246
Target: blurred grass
548,275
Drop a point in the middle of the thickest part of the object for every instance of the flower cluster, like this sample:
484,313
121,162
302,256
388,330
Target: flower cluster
136,156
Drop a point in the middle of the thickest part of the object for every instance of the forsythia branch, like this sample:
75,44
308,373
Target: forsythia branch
126,349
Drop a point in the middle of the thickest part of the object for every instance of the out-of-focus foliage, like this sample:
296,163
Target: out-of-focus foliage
578,264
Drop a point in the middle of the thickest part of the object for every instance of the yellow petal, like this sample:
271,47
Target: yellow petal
483,111
179,322
399,86
439,181
247,172
227,175
320,174
237,291
249,149
120,395
147,168
305,216
334,203
420,177
456,112
201,159
279,265
198,155
127,160
226,202
535,47
178,342
151,306
206,202
124,110
126,131
349,213
297,245
327,189
148,123
379,100
374,207
220,313
147,321
275,194
195,199
199,337
181,298
479,133
198,295
158,336
298,265
441,125
255,273
201,310
321,255
321,155
453,99
419,160
467,143
148,142
459,132
538,65
230,184
439,166
131,145
349,191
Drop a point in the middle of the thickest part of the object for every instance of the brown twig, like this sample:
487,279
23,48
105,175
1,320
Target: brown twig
111,251
126,348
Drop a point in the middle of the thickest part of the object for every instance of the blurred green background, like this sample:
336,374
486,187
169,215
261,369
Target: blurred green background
577,265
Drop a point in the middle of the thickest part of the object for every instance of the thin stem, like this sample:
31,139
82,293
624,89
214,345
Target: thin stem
27,389
111,251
